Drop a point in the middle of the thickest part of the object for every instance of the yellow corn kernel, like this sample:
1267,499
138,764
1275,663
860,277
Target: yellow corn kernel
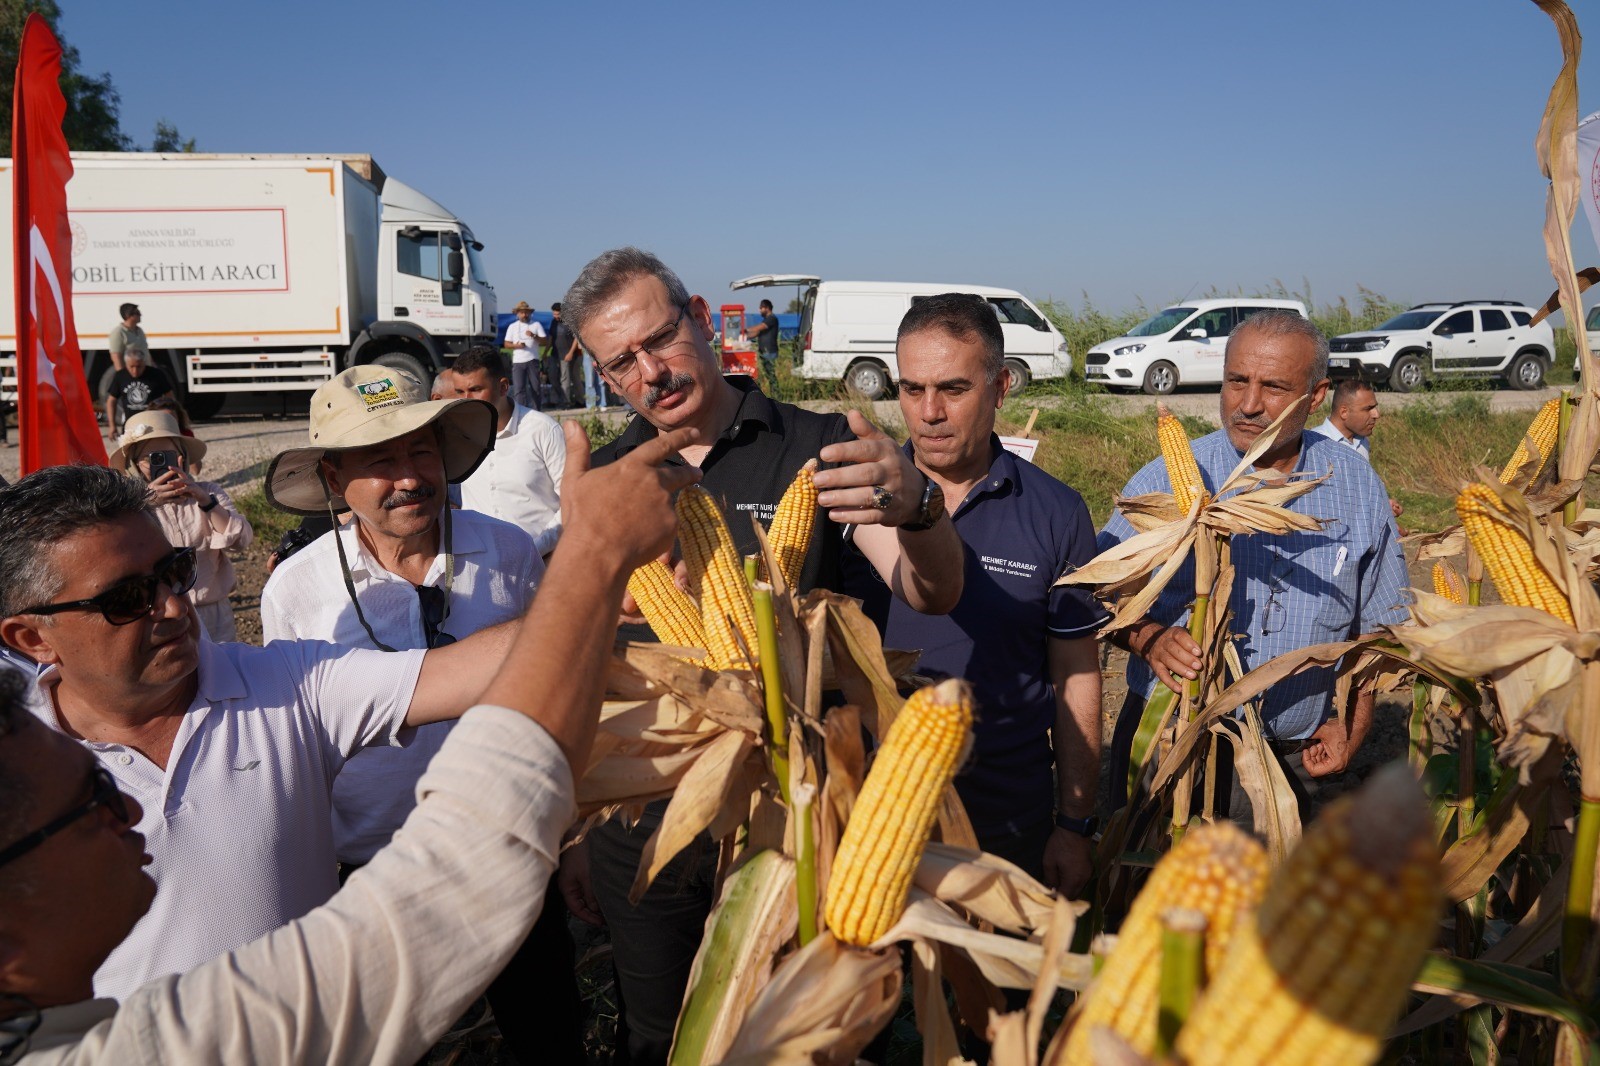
1217,870
1322,971
1507,554
1182,470
716,574
789,536
1542,430
1448,583
673,616
894,815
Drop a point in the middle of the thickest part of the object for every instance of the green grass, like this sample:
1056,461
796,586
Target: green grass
269,523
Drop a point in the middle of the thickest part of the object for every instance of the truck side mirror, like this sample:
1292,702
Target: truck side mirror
456,265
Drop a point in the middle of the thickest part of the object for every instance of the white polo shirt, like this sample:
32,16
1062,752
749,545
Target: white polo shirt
520,480
519,332
305,599
239,821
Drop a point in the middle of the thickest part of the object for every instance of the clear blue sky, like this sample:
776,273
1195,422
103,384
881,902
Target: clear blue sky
1132,150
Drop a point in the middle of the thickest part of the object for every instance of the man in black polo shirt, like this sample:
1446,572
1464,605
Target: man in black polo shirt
652,341
1028,649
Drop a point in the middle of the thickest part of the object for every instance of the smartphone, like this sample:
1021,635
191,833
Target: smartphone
161,462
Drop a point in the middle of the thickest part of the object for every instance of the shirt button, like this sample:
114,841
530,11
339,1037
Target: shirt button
125,759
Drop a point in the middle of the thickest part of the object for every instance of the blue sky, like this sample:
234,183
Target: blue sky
1132,151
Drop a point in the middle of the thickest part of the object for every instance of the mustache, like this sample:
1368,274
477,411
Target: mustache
1260,421
677,381
406,497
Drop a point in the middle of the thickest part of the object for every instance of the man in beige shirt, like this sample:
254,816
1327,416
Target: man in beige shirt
380,971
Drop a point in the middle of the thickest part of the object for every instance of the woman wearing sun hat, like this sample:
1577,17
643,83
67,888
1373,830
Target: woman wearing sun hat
193,514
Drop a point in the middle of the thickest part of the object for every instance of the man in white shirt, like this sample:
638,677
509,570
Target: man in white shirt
1352,416
378,973
419,575
520,480
525,337
230,750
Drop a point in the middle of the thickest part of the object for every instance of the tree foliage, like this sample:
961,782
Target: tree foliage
168,139
92,120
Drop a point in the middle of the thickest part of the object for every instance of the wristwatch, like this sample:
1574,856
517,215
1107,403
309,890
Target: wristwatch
209,504
1084,827
932,507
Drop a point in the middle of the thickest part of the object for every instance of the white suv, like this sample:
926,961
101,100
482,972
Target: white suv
1477,338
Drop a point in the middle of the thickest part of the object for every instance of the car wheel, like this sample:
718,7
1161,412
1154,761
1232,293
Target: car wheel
1526,372
1406,375
869,379
1020,377
1160,379
409,364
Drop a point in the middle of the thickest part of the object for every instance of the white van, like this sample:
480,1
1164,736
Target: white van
1180,345
847,329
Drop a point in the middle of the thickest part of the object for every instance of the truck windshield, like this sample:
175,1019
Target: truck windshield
1411,320
475,262
1163,322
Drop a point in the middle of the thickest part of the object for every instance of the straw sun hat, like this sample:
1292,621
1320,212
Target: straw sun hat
369,405
148,427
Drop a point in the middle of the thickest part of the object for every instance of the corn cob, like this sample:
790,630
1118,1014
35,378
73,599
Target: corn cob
1323,969
1543,432
716,575
1182,470
894,815
673,616
1507,554
790,533
1448,583
1217,870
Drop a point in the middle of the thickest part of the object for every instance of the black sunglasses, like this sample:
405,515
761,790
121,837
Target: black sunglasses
134,598
435,609
103,793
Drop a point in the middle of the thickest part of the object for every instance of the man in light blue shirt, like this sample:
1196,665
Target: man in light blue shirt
1352,415
1290,591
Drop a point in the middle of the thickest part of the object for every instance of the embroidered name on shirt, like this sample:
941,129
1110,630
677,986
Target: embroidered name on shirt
1009,567
763,511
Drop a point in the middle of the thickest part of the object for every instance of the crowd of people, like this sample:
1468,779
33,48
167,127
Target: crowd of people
323,849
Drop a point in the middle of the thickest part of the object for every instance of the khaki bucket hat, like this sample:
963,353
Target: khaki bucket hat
369,405
147,427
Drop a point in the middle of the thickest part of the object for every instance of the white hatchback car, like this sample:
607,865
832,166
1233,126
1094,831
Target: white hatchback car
1468,338
1181,345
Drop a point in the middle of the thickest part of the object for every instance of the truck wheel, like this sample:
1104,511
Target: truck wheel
1406,374
204,405
1526,371
1020,376
869,379
1160,379
409,364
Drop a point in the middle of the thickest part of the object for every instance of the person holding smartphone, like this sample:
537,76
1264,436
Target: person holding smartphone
193,514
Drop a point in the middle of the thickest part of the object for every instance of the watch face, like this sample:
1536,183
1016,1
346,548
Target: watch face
932,502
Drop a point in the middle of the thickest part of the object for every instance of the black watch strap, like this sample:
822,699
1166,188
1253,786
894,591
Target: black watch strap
1084,827
209,504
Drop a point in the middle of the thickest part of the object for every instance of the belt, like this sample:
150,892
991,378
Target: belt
1287,747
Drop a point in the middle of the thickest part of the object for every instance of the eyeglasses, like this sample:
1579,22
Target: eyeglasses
134,598
1273,613
19,1019
103,792
435,604
624,366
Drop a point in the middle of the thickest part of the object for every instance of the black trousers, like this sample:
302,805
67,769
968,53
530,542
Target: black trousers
652,944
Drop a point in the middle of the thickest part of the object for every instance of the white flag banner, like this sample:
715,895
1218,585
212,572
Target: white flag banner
1589,171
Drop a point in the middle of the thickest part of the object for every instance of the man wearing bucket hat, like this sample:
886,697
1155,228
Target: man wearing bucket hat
416,573
524,337
193,514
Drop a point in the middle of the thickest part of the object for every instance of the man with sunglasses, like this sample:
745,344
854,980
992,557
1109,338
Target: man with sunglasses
1289,591
379,972
230,749
652,341
415,573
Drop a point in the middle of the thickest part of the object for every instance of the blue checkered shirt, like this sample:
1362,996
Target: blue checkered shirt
1295,590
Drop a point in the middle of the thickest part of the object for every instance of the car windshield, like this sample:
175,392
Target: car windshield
1411,320
1164,322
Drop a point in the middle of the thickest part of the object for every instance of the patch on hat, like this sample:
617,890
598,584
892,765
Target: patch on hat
374,393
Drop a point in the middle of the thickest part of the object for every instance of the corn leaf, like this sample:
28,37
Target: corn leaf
1475,981
987,887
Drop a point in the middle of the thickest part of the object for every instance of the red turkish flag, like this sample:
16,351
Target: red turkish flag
55,412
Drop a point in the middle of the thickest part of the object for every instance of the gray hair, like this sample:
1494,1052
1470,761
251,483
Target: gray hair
604,277
1282,322
45,508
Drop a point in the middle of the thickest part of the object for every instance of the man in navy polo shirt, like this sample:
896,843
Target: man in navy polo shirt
1028,649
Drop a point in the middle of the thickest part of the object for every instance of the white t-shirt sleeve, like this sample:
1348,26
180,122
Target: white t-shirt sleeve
361,696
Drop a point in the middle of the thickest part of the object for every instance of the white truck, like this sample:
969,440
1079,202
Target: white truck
263,273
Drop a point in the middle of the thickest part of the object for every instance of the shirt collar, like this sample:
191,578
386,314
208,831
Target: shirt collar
754,406
218,679
514,423
466,539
